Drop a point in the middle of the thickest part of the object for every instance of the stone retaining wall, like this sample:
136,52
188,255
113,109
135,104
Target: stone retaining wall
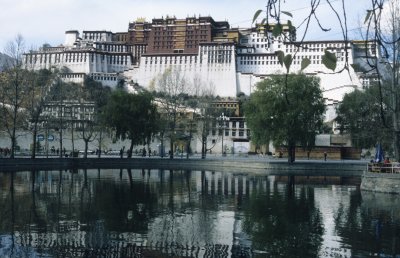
381,182
239,165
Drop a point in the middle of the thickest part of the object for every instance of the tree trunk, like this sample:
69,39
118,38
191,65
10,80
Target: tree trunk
171,148
13,134
187,149
291,152
13,140
34,141
396,144
86,148
100,142
162,146
61,142
203,147
72,138
130,150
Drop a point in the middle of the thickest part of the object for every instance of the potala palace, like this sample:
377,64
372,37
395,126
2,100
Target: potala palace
230,60
233,60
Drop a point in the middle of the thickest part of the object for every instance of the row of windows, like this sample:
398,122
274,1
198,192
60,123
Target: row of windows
259,62
73,75
295,62
118,60
163,44
170,57
172,61
95,37
257,58
172,32
263,46
113,48
233,133
297,57
219,60
264,39
104,78
228,123
311,50
198,68
72,58
205,49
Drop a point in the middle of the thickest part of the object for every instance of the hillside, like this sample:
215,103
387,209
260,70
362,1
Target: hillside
3,60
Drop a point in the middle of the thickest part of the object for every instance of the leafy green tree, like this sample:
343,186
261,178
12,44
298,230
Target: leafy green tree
287,110
100,94
132,116
359,114
381,37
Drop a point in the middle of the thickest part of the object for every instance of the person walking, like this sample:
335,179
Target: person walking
121,152
325,155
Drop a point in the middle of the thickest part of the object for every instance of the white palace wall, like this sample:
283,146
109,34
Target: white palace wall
213,65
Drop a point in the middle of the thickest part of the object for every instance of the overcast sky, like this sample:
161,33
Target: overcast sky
45,21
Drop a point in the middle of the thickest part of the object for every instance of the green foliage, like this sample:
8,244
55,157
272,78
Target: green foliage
287,60
367,18
304,63
292,28
329,60
95,91
132,116
285,111
64,91
287,13
359,115
280,56
277,30
256,14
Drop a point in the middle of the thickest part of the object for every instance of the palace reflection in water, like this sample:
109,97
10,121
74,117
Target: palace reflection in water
159,213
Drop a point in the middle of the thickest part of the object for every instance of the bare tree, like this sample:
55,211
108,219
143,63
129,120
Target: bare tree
39,84
206,120
95,94
88,133
14,91
174,90
382,36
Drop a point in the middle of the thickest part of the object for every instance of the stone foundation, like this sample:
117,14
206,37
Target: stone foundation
381,182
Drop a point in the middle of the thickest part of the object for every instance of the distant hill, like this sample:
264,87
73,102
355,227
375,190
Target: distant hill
3,60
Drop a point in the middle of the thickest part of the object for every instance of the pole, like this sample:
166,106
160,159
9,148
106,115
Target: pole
223,119
46,145
223,132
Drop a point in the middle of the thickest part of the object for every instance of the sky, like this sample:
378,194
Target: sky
45,21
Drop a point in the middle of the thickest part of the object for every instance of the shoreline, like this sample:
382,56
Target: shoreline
372,182
265,166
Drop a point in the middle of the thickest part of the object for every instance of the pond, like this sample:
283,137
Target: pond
165,213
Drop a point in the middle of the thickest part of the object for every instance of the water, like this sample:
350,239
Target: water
153,213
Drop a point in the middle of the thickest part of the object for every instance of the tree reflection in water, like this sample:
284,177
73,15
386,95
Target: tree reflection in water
284,224
158,213
370,224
